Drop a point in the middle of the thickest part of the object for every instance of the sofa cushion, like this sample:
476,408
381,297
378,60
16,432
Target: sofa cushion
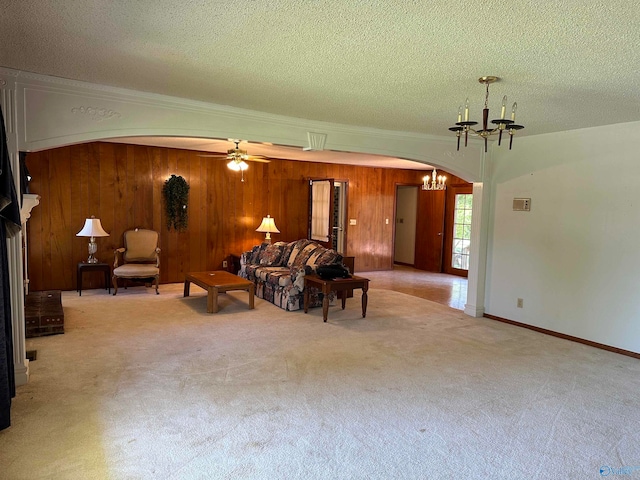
248,271
276,276
271,256
297,277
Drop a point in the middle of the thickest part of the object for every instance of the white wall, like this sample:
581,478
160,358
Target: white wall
575,257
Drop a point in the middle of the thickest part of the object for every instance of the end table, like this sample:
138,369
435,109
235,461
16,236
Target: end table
94,267
336,285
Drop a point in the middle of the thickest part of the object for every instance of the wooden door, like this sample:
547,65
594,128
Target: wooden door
321,211
430,230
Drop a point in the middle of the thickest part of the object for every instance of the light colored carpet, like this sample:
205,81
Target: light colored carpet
145,386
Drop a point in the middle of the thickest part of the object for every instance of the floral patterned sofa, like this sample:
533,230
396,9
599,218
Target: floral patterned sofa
278,271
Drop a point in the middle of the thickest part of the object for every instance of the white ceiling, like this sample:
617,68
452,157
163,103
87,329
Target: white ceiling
401,65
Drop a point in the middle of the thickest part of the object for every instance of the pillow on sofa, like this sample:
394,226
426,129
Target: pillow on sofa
323,257
254,256
270,256
300,251
308,258
286,253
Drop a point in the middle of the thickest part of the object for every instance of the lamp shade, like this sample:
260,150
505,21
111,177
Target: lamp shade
268,225
92,228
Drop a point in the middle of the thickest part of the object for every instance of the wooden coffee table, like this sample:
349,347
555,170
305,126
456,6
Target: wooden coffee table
217,282
335,285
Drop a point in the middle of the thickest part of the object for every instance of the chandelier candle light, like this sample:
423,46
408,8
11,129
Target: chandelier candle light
267,226
92,228
464,126
440,185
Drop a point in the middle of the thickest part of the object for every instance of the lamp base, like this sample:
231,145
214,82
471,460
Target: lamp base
93,248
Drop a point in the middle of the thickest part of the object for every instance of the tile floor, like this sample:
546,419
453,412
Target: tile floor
449,290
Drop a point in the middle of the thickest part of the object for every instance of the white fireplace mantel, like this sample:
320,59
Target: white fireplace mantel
29,201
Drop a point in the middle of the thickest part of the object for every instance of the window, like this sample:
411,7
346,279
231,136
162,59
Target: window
462,231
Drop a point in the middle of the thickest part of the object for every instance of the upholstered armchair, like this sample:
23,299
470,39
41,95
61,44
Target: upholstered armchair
140,258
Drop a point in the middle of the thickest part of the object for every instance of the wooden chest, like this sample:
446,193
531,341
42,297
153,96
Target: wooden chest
43,313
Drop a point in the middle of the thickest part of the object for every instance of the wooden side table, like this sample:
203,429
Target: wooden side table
94,267
233,263
335,285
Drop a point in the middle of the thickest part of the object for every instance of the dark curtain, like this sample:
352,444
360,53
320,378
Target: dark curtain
10,224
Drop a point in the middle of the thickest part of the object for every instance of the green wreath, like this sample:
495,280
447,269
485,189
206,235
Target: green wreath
176,198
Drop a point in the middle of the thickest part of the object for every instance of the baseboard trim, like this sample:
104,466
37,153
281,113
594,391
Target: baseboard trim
601,346
405,264
21,373
474,311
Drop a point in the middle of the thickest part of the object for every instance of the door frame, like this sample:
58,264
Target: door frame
332,234
452,191
395,219
345,222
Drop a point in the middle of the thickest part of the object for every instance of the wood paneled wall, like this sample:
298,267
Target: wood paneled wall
122,185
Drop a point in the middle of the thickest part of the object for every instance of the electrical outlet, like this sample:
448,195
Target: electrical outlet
224,264
520,303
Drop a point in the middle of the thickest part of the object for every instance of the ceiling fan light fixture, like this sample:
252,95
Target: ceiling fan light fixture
237,153
238,165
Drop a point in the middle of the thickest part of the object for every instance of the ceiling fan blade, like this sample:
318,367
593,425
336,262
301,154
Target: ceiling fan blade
213,156
257,159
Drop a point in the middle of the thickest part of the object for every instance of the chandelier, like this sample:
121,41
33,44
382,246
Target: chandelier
463,127
437,181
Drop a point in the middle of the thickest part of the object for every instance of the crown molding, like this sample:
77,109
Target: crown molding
99,103
146,98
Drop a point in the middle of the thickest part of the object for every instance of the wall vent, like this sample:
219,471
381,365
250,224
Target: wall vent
316,141
521,204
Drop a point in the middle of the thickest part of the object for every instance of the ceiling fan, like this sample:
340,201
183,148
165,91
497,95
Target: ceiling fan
238,158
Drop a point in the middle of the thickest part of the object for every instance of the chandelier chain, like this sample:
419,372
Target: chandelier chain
486,97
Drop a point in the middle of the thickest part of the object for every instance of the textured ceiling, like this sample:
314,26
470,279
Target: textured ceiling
399,65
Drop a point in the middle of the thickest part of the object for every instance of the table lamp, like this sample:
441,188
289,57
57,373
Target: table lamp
267,226
92,228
